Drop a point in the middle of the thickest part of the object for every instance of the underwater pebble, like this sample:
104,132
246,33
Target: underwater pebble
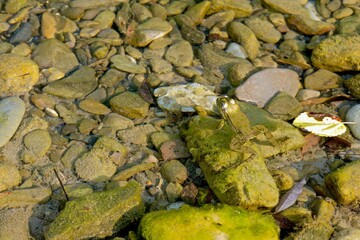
353,115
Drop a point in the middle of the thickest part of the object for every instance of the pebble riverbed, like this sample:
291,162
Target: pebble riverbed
97,95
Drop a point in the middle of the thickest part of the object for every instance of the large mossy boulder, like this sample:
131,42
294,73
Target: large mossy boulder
208,222
240,176
98,215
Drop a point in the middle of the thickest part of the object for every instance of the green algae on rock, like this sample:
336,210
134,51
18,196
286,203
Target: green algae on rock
237,178
77,85
338,53
353,85
98,215
208,222
343,184
17,74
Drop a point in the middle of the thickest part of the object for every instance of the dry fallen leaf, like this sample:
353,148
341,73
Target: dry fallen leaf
290,197
320,100
311,140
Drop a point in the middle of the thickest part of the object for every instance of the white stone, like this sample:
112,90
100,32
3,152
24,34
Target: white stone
12,110
260,87
180,98
353,115
236,50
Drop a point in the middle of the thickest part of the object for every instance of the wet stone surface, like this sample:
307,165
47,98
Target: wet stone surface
123,103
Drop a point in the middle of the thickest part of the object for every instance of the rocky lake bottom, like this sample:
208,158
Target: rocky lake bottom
174,119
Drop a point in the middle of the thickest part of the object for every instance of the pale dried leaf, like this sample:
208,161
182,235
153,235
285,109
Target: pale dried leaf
290,197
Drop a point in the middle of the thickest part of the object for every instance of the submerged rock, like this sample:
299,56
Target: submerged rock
208,222
9,176
24,197
343,185
12,110
241,8
338,53
129,104
17,74
240,177
98,215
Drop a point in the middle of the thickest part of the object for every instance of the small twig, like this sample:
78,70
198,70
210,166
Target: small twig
61,184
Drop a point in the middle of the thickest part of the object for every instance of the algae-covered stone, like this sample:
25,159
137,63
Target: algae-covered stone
174,171
14,224
208,222
98,215
349,25
12,6
95,166
53,53
239,71
124,64
241,8
77,85
338,53
24,197
130,105
9,176
90,4
242,35
17,74
353,85
308,26
343,185
198,11
314,230
240,177
38,142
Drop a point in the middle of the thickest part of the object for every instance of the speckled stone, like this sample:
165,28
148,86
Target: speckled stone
9,176
17,74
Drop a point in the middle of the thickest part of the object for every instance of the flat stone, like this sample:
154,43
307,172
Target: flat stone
130,105
263,30
344,187
117,122
112,210
12,110
24,197
308,26
91,4
285,6
184,98
95,166
92,106
243,35
13,6
122,63
260,87
52,24
105,19
338,53
305,94
17,74
14,224
322,79
241,8
198,11
38,142
284,106
77,85
180,54
53,53
23,34
353,115
148,31
207,222
9,176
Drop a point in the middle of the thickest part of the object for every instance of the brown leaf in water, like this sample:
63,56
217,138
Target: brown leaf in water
320,100
311,140
335,143
145,92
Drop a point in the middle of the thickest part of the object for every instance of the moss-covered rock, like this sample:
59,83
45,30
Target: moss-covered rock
98,215
240,177
338,53
209,222
344,184
353,85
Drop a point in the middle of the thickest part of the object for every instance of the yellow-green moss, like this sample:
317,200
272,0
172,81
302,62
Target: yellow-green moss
208,222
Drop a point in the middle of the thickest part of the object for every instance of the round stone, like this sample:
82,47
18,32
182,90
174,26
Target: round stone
17,74
353,115
174,171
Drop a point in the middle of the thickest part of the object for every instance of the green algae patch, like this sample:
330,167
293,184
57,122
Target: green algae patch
208,222
344,183
240,176
98,215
